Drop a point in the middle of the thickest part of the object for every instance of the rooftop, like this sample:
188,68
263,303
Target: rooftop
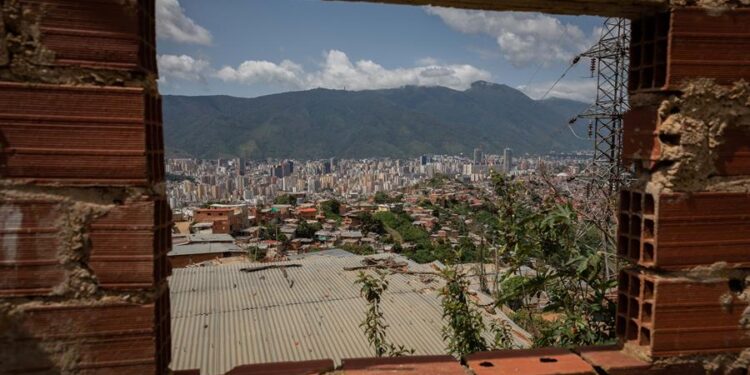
223,317
204,248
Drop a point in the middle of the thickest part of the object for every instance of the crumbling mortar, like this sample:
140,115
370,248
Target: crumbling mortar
75,249
700,118
158,189
97,194
77,208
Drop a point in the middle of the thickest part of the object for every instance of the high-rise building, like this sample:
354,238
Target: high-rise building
424,160
241,166
507,160
327,167
277,171
287,168
478,156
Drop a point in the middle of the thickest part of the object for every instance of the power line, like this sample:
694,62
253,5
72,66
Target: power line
575,61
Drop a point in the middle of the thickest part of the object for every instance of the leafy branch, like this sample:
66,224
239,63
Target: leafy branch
372,289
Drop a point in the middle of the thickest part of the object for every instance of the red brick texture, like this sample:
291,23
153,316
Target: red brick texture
545,361
99,33
28,262
127,246
642,143
436,365
130,245
680,230
612,360
101,338
665,316
669,48
670,234
285,368
85,228
81,134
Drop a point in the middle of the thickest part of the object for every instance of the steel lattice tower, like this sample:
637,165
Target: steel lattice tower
605,115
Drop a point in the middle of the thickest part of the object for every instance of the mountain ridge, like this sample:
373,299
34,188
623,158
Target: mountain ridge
398,122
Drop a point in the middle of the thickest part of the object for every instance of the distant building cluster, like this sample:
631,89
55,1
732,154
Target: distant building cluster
194,182
278,208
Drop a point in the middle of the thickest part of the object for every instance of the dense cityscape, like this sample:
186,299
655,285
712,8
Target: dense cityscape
193,182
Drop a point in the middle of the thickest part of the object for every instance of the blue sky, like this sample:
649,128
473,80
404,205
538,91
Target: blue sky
260,47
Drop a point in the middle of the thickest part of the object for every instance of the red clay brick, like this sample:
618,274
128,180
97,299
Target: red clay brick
612,360
545,361
678,231
28,261
642,143
80,134
666,316
669,48
99,34
129,245
116,337
437,365
285,368
639,138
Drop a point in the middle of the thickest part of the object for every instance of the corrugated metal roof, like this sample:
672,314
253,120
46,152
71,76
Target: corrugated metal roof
210,237
204,248
223,317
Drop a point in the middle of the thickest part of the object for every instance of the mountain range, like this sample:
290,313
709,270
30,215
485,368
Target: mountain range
402,122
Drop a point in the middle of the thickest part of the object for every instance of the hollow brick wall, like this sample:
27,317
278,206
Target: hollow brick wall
684,226
84,223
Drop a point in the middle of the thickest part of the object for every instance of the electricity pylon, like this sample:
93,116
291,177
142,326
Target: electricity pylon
609,58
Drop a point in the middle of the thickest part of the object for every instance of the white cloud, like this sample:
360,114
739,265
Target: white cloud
583,90
173,24
523,38
254,71
338,72
183,67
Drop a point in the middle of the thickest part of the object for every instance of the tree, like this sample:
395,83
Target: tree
307,230
551,253
381,198
370,224
330,209
256,254
464,327
358,249
272,232
285,199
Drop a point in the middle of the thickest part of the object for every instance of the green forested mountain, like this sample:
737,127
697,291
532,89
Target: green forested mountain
403,122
